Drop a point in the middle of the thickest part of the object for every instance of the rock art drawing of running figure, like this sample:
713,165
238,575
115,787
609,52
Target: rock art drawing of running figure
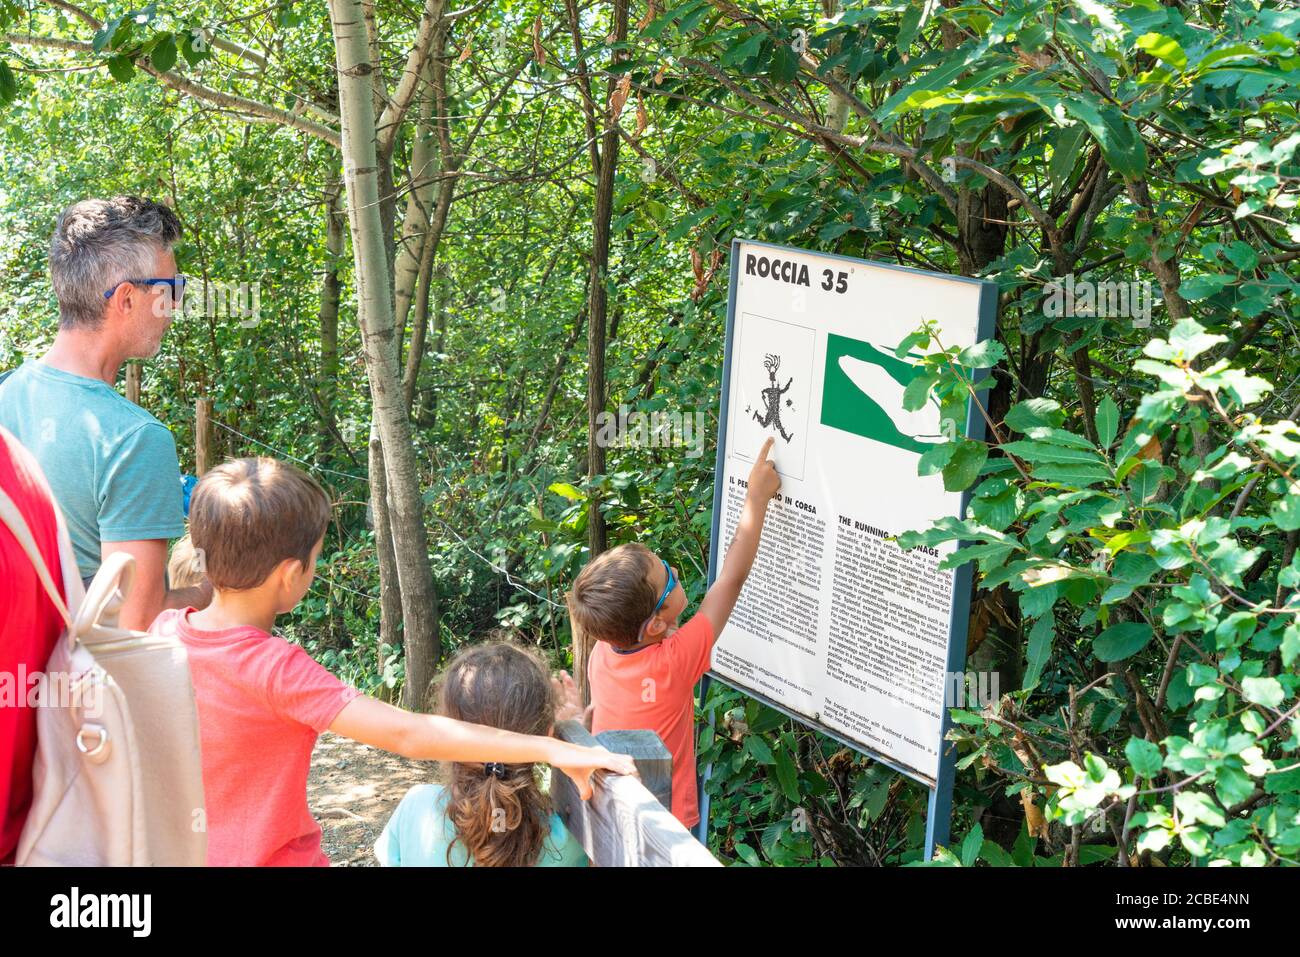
771,417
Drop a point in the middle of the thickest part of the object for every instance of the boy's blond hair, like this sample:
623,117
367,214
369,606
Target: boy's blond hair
249,515
185,567
613,596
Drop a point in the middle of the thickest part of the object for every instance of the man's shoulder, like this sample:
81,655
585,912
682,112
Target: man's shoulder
133,418
55,388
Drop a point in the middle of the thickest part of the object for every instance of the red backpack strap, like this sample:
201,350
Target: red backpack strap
14,521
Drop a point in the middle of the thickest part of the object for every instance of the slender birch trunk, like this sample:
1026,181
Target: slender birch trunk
363,175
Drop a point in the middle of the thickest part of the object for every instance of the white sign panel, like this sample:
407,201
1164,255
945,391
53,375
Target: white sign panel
836,624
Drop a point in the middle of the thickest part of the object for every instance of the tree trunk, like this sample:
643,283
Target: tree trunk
390,596
329,310
365,180
411,250
435,223
598,307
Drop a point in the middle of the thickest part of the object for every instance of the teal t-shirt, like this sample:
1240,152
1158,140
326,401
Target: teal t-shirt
111,465
419,833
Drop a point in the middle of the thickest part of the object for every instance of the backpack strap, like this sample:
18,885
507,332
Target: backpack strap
16,524
7,374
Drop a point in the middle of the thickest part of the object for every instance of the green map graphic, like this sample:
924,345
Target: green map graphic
847,407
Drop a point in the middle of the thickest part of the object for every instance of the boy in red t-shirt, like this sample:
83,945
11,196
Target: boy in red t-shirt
29,627
258,525
644,668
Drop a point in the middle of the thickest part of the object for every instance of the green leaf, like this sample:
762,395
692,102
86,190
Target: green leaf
568,491
1286,513
748,854
784,64
1035,452
1040,649
1107,421
1163,48
121,67
1242,256
917,392
964,467
758,749
193,48
935,457
163,54
787,775
1022,852
104,35
910,24
1263,691
1065,153
1032,414
1116,135
1188,340
8,84
970,847
1204,285
982,355
1122,641
1145,757
1291,644
743,50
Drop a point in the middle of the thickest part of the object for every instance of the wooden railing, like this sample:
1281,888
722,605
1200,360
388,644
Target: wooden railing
627,822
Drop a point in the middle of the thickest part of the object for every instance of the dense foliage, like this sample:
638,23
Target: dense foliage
1135,511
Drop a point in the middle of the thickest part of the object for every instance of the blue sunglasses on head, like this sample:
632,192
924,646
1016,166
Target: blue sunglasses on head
668,590
175,283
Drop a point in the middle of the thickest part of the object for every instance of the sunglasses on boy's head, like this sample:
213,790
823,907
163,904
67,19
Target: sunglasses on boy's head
176,284
668,590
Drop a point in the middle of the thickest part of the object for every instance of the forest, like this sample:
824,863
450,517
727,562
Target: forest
432,248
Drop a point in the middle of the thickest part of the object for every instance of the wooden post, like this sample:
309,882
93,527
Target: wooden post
202,436
133,382
654,762
624,824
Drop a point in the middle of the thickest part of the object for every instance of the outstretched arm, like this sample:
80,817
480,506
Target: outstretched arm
437,738
787,385
764,482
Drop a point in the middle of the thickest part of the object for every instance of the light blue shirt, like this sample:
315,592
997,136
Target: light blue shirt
419,833
111,465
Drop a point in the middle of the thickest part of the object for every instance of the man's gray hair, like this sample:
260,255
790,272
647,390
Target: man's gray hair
99,243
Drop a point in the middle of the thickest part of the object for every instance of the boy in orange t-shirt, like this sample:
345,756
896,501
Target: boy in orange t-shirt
644,668
259,525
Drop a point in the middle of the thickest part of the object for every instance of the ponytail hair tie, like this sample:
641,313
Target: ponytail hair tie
496,769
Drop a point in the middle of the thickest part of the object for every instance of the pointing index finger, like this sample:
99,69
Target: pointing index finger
767,447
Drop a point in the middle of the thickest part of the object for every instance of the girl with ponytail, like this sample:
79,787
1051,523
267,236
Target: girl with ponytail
488,815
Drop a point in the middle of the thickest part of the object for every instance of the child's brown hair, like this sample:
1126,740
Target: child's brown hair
249,515
612,597
499,812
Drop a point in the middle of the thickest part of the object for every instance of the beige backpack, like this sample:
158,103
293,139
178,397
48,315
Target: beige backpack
117,779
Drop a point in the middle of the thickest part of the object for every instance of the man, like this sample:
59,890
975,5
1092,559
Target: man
112,465
29,627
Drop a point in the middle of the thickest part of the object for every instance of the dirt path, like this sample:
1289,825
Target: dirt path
352,790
